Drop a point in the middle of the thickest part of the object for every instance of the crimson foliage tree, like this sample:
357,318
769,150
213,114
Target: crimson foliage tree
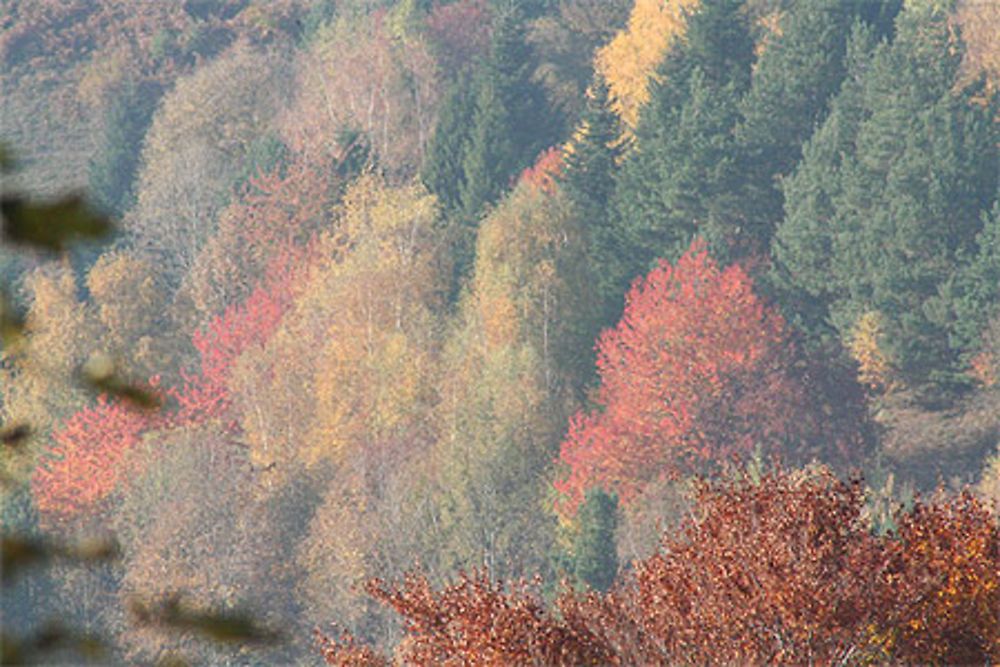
698,369
242,325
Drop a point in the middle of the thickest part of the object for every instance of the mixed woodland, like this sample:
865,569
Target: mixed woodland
507,331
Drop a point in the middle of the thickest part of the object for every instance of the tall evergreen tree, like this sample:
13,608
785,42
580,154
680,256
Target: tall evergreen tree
510,123
588,179
801,68
112,171
886,206
595,559
966,303
443,171
803,245
679,182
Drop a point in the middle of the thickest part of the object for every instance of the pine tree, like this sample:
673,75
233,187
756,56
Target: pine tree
803,246
888,201
588,179
443,171
678,183
968,301
112,171
511,123
802,67
595,560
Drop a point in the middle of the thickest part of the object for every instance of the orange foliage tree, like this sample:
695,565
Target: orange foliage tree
782,569
695,371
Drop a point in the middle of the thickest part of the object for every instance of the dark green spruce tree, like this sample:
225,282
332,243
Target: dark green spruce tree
443,173
511,122
112,170
802,66
595,558
680,181
971,298
588,179
886,207
803,244
494,122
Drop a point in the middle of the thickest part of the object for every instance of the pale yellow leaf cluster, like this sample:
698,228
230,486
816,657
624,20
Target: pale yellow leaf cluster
351,367
58,334
866,343
376,79
629,61
129,301
979,23
197,146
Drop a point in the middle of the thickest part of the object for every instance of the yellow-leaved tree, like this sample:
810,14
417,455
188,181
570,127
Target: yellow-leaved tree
629,61
508,385
57,332
372,312
195,149
129,299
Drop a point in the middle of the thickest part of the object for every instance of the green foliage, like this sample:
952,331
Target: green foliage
595,560
510,124
265,154
682,179
111,173
885,209
510,367
970,297
588,179
802,66
320,13
442,172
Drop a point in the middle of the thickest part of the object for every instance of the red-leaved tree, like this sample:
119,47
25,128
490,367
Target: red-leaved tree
85,463
698,369
206,394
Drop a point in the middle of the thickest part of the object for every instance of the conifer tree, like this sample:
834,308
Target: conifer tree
802,246
801,68
679,182
595,560
442,173
588,179
510,124
887,204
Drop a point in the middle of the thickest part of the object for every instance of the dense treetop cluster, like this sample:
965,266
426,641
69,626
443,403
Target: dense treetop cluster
440,296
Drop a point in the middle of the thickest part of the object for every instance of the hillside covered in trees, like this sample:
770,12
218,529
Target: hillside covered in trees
510,331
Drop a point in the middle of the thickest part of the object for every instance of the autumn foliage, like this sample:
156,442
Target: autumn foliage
782,569
693,373
85,463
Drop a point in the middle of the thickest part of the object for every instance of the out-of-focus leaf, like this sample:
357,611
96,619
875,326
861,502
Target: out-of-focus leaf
10,650
15,435
11,323
51,225
52,637
97,549
6,159
20,552
173,660
231,627
99,373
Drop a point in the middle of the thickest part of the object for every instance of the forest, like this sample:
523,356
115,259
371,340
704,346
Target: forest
500,332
